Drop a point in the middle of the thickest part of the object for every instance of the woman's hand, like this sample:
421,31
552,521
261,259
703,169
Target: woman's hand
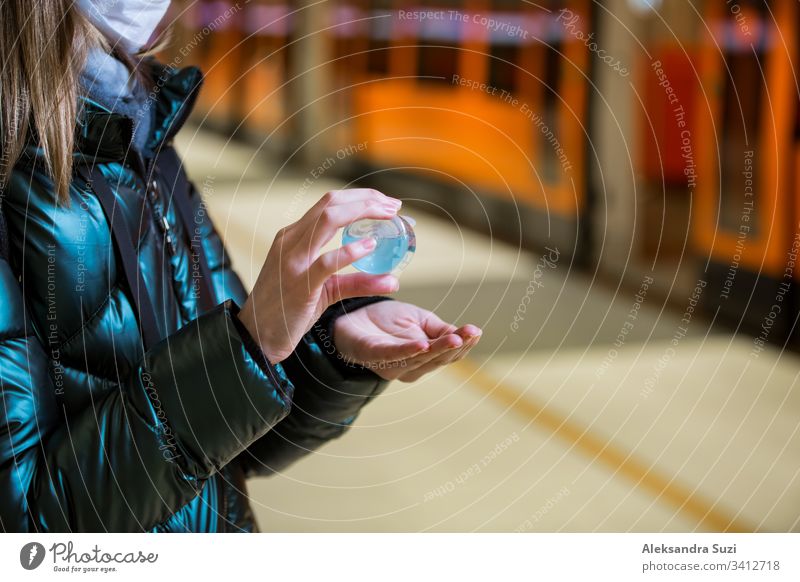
296,283
400,341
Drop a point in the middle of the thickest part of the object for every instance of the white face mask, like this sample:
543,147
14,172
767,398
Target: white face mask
131,23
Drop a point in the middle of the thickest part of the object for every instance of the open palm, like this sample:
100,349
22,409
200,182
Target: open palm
400,341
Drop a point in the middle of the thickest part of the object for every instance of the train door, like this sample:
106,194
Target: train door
491,95
264,64
361,35
217,39
744,211
669,85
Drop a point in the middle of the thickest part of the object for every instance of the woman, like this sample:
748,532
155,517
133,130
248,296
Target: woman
136,396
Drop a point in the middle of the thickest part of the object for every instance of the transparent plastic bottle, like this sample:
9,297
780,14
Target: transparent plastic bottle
396,246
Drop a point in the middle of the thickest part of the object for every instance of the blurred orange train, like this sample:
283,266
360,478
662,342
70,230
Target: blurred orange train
512,105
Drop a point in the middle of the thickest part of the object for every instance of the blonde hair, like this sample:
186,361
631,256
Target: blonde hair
43,45
43,48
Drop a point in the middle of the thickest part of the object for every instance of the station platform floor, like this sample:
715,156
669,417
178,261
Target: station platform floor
549,425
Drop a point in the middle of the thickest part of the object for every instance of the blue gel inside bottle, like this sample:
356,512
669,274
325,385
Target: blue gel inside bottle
396,244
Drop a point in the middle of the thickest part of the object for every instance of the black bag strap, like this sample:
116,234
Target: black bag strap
3,232
127,252
171,168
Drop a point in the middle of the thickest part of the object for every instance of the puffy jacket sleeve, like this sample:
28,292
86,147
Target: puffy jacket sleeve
330,394
139,453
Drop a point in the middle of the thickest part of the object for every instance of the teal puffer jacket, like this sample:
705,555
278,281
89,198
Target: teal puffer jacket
97,434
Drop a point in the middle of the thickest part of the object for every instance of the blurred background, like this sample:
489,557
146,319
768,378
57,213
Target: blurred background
609,189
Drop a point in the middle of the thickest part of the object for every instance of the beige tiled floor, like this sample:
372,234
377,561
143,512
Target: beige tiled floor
714,441
716,420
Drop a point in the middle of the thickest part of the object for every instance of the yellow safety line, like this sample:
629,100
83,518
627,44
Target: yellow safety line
621,462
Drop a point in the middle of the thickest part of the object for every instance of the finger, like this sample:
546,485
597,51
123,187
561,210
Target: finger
329,263
341,207
454,355
450,347
446,344
445,347
337,197
415,373
300,230
444,350
294,232
471,335
394,352
338,287
335,217
434,327
469,331
447,341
